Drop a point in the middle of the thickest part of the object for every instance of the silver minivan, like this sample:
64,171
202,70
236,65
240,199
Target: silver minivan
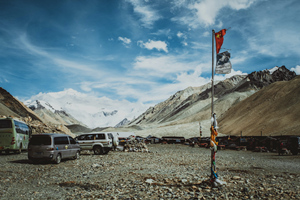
52,147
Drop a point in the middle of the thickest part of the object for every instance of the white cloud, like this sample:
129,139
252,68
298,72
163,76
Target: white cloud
159,45
184,37
205,12
220,77
162,32
182,79
296,69
161,66
126,41
208,10
276,42
3,80
206,34
147,14
179,34
59,62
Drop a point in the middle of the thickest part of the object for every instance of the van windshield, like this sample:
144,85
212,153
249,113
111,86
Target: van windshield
40,140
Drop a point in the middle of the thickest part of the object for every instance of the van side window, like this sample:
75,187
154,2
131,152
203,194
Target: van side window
72,141
61,140
100,136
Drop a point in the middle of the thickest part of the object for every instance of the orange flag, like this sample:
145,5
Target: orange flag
219,39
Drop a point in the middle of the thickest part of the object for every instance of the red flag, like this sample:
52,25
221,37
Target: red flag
219,39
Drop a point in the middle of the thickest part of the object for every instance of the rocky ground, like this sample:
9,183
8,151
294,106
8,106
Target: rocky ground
167,172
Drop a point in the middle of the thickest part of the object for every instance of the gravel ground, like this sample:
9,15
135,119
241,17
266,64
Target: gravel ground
168,172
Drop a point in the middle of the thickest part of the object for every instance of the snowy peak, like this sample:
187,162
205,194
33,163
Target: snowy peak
110,113
39,104
122,123
87,109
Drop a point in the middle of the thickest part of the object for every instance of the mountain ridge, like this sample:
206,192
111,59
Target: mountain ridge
185,116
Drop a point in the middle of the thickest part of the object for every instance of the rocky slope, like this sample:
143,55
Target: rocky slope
183,113
274,110
9,105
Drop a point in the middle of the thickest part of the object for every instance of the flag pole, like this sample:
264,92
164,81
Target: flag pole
212,72
212,176
213,136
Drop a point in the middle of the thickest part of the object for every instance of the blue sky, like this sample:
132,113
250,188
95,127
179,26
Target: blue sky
139,50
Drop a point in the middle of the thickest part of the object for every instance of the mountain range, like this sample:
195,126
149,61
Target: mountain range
239,102
72,107
186,111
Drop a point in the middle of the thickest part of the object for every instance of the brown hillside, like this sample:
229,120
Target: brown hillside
10,106
274,110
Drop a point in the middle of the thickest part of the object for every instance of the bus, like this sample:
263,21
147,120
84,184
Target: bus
14,135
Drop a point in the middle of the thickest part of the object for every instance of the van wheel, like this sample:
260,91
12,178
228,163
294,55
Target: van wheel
77,155
58,159
98,150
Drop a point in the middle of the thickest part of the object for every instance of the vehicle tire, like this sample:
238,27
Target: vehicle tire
77,155
57,159
98,150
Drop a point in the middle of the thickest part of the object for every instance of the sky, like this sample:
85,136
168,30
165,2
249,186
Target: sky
141,51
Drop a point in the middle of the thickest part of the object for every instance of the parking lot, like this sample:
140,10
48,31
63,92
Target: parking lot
169,171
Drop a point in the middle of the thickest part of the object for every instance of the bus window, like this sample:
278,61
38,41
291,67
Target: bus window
5,124
21,128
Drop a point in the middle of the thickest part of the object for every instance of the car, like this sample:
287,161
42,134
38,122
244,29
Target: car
101,143
53,147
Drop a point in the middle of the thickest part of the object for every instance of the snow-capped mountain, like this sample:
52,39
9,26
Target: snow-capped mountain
89,110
